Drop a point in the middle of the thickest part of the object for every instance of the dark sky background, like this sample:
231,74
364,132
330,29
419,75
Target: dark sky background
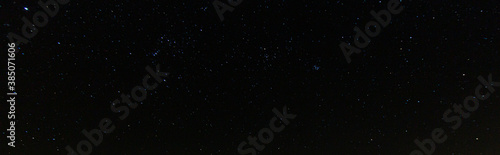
226,77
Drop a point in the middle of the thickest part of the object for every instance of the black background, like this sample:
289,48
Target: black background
226,77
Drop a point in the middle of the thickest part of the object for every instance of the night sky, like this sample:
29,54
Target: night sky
225,77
